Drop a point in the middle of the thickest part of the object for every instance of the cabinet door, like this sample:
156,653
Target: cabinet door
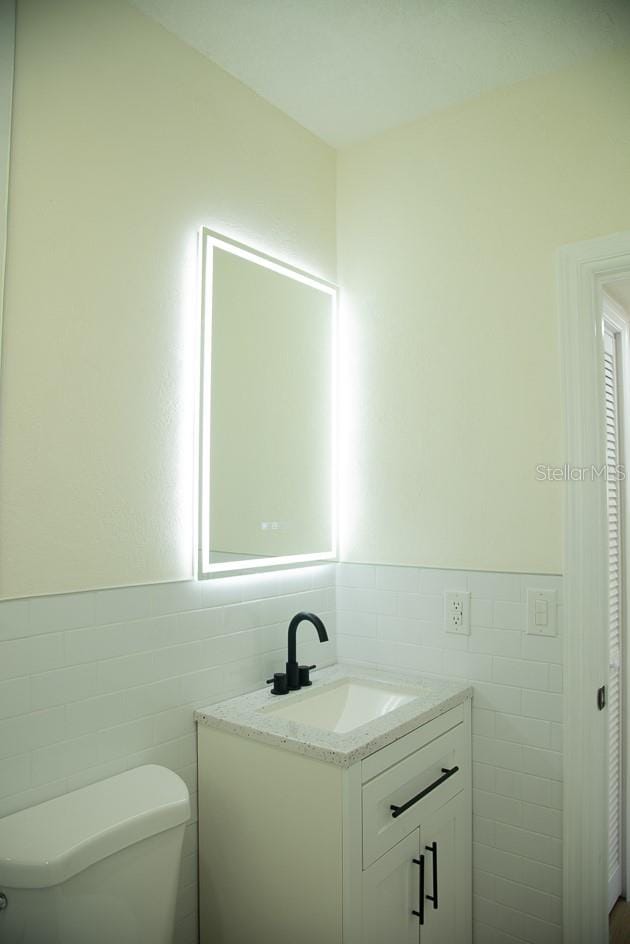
446,844
391,895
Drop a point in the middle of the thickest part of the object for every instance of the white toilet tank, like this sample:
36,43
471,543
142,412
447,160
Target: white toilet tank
96,866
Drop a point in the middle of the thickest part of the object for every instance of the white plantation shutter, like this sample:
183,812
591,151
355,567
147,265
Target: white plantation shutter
613,494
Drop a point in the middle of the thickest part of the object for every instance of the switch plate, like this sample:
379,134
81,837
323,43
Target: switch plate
457,612
542,612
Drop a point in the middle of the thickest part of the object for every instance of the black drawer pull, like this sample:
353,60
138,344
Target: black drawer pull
434,897
446,773
420,914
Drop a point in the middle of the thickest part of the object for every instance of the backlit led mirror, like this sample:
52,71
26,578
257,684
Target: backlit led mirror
267,419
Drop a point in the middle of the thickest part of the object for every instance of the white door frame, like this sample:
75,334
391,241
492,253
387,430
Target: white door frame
583,268
619,319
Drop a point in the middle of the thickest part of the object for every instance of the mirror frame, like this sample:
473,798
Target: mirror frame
209,240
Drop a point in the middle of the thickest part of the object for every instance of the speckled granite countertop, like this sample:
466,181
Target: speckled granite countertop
245,715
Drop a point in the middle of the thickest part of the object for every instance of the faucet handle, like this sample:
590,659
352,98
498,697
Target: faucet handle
304,671
280,683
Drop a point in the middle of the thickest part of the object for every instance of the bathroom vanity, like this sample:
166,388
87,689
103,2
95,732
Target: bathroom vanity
340,814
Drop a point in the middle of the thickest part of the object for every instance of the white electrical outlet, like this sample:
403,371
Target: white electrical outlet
457,612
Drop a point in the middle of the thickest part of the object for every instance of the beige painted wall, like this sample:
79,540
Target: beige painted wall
124,142
447,233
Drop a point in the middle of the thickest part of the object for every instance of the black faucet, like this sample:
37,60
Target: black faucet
296,676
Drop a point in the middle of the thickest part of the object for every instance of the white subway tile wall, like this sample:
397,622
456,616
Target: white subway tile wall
393,616
92,684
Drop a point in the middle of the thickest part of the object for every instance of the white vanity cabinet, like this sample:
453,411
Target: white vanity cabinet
419,891
295,848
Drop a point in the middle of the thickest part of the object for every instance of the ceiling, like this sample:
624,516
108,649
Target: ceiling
349,69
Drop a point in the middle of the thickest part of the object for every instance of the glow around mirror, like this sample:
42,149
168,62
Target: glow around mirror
267,438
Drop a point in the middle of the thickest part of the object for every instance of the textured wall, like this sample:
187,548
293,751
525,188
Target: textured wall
125,141
393,616
95,683
448,230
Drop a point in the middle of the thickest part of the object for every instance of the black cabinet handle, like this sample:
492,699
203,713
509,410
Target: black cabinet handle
446,773
420,914
434,897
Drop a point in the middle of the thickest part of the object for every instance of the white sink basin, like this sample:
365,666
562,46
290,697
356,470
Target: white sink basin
341,707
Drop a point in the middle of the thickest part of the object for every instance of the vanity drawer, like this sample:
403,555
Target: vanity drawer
429,772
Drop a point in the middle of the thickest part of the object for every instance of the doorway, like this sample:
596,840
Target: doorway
594,836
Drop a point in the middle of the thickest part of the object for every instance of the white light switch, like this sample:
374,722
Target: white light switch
542,612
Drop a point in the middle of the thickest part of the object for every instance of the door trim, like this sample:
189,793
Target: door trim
582,270
619,319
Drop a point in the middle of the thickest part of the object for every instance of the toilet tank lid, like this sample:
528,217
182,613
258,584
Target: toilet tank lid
49,843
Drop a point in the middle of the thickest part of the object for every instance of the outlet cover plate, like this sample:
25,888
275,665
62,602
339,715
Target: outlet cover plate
457,612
